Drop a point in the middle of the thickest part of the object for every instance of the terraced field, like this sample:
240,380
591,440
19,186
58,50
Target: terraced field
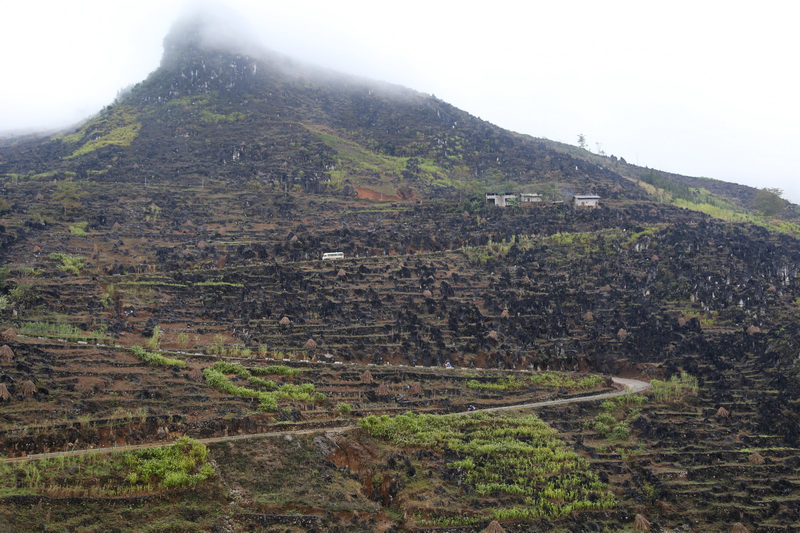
127,345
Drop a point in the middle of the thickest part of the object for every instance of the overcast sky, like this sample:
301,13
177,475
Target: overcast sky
702,88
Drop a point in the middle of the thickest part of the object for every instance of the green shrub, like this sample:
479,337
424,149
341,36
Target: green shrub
268,399
78,229
516,456
155,359
154,342
68,263
621,431
675,388
184,464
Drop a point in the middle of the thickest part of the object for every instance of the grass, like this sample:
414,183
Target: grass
675,388
181,465
118,127
613,423
553,380
519,460
79,229
68,263
268,393
354,161
60,330
155,359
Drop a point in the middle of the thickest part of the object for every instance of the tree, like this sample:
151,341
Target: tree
768,200
68,194
582,141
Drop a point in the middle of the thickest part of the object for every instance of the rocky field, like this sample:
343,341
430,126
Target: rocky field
137,316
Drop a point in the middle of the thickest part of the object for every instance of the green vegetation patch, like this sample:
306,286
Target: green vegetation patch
268,392
519,460
218,284
675,388
354,160
554,380
60,330
117,127
183,464
152,283
218,118
205,109
618,412
68,263
156,359
78,229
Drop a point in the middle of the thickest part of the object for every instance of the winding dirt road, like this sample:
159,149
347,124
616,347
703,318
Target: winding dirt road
630,386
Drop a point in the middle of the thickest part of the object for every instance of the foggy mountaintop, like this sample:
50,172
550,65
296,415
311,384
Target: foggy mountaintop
719,102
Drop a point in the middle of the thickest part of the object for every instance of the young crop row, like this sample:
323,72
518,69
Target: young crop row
156,359
183,464
61,330
519,460
217,377
553,380
675,388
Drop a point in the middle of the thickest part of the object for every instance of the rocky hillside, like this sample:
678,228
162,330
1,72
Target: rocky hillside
221,114
162,276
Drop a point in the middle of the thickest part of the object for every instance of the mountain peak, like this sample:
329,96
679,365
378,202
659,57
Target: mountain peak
210,28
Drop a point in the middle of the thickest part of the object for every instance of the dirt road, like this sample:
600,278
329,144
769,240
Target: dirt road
631,386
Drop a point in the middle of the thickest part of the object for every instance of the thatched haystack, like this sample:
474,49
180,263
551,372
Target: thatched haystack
285,321
622,334
738,527
416,389
641,523
4,394
195,373
493,335
28,389
9,335
310,345
505,314
6,353
366,377
494,527
723,413
341,273
752,330
756,458
382,390
427,294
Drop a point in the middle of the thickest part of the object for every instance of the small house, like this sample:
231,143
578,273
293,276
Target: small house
528,198
500,199
588,200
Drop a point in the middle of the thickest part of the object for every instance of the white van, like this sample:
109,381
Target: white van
332,255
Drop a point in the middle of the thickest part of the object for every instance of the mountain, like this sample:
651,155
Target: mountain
221,108
238,114
163,276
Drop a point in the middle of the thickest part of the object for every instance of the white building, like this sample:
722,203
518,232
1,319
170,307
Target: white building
527,198
587,200
500,199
